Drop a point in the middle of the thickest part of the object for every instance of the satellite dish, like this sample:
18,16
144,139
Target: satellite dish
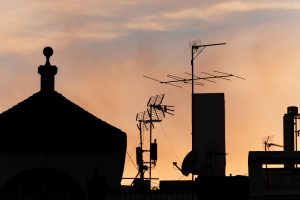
189,163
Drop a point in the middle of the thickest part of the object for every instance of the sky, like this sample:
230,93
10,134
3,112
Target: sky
103,48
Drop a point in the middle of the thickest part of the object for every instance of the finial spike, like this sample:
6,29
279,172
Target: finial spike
48,52
47,72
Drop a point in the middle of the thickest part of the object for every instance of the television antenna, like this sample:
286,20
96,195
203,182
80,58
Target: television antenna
196,49
156,111
268,143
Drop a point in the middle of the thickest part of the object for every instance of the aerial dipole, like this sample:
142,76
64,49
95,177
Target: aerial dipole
156,111
196,49
193,80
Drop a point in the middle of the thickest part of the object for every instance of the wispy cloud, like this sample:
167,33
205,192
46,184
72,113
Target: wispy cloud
113,20
214,11
24,26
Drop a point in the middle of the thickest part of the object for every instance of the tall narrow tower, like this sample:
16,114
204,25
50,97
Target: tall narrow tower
289,131
209,134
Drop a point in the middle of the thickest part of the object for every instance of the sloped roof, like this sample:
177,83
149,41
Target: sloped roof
47,121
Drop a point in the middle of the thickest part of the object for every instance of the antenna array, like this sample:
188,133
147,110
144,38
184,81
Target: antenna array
174,80
196,48
155,112
268,143
188,80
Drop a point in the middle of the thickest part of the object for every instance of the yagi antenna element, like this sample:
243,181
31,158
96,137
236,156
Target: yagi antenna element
196,48
155,112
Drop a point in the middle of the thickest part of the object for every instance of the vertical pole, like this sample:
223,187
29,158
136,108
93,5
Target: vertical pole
192,63
141,168
296,131
150,164
296,134
194,46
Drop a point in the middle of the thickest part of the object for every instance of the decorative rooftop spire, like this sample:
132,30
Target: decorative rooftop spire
48,52
47,72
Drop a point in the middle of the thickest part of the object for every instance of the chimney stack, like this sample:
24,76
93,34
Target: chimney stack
289,132
289,128
47,72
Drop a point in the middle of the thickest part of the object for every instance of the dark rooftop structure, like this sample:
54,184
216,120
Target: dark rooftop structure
49,122
47,130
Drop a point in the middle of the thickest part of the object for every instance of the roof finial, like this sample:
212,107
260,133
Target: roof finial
47,72
48,51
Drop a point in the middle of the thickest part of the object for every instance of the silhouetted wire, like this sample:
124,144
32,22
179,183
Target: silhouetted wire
132,160
180,177
158,173
172,147
143,136
137,141
154,183
132,150
184,177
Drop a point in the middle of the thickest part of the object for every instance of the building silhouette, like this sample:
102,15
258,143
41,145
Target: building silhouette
47,138
209,134
276,174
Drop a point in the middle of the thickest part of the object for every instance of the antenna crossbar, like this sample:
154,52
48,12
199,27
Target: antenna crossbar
195,48
162,82
199,77
230,74
155,113
206,45
193,80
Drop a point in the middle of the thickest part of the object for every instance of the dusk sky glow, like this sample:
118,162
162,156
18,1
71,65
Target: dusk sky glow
103,48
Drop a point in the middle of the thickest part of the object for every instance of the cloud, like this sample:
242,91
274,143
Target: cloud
214,11
150,25
102,20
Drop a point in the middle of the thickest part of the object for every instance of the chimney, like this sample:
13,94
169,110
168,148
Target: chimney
289,132
289,128
47,72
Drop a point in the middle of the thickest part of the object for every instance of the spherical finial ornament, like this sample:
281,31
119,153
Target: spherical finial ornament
48,51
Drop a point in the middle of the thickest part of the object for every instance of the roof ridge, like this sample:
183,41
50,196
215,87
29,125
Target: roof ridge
46,97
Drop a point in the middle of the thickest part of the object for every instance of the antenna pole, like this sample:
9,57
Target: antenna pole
150,164
192,63
141,168
195,48
154,113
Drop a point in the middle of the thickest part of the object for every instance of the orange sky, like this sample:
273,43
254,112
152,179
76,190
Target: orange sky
103,49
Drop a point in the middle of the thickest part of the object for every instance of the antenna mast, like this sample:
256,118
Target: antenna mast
155,113
196,50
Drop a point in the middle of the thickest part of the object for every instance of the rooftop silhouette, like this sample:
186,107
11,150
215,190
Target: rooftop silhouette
47,140
49,122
